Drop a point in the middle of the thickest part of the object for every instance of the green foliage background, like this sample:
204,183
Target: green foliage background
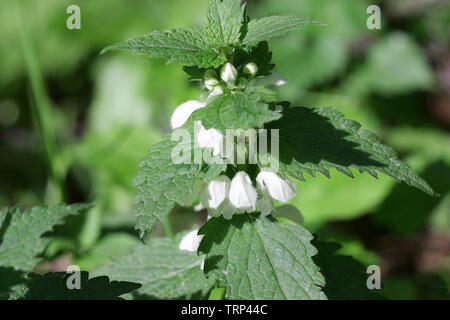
74,125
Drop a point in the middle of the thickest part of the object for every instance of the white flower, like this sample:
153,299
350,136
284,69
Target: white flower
184,111
228,73
272,79
242,193
251,69
279,189
190,241
217,191
265,204
211,79
210,138
217,91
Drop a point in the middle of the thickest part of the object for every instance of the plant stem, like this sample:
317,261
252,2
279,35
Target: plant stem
168,228
41,113
217,294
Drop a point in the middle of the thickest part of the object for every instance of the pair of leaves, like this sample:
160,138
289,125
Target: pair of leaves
206,48
163,270
21,233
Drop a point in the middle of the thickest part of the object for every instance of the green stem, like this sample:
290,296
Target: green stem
217,294
41,112
168,228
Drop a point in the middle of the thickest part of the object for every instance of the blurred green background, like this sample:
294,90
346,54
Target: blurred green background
74,124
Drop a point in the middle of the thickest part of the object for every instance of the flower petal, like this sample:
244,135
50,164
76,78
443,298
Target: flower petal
242,193
184,111
279,189
190,241
218,190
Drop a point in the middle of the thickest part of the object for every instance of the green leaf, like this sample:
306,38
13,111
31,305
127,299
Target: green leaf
21,233
345,277
53,286
188,47
238,111
256,257
225,18
316,140
395,66
273,26
161,183
163,270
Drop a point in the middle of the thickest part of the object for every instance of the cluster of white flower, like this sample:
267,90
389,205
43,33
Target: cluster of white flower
227,197
222,195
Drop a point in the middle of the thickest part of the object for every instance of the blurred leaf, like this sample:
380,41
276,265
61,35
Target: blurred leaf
162,268
21,233
395,65
345,278
256,257
53,286
106,249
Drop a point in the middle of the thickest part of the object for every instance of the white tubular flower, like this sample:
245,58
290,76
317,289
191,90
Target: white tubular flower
228,73
242,193
279,189
190,241
211,79
210,138
217,191
184,111
272,79
251,69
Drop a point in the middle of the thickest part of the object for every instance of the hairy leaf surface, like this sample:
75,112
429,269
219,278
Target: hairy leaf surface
225,18
256,257
273,26
316,140
162,269
161,183
188,47
21,233
239,111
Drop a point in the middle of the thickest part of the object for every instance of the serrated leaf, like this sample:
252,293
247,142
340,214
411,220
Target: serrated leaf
225,18
256,257
21,233
274,26
345,277
186,46
162,268
53,286
238,111
316,140
161,183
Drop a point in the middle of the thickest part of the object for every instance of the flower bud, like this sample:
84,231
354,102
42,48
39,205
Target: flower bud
211,79
251,69
228,73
